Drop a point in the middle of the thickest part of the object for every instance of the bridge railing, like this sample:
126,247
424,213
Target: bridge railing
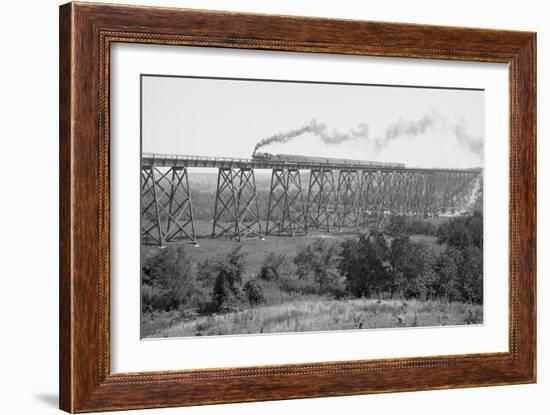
179,160
161,156
194,161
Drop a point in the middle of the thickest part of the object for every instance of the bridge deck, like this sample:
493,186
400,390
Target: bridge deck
176,160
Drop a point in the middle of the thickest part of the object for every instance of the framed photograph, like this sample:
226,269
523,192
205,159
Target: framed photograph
258,207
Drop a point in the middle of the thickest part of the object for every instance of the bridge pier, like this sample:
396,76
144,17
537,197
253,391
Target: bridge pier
321,201
385,196
430,193
460,187
347,197
402,194
405,190
417,204
166,210
374,197
366,197
392,195
236,212
285,213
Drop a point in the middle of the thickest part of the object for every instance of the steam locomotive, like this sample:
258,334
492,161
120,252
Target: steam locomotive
291,158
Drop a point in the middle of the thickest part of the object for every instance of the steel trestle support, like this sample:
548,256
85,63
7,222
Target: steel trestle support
285,213
166,210
321,209
361,197
236,212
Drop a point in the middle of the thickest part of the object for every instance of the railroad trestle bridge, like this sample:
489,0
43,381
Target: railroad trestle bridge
333,196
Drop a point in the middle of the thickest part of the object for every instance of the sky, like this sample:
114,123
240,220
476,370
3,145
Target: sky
421,127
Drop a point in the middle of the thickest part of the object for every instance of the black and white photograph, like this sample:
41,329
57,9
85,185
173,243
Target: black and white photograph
284,206
296,207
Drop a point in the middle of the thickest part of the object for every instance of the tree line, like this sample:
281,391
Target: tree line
384,263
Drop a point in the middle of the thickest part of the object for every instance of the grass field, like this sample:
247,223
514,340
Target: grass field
318,314
285,310
256,248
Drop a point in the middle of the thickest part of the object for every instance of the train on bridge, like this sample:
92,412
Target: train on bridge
329,161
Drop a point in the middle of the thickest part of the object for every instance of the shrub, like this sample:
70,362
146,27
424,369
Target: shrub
447,270
418,269
254,292
374,265
170,278
207,271
462,232
299,286
157,299
364,264
475,224
412,268
465,236
168,268
471,275
421,227
320,261
227,293
399,225
391,263
274,267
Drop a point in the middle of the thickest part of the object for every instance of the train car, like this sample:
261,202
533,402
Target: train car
293,158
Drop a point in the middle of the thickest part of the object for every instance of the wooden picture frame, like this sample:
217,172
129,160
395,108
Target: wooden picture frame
86,33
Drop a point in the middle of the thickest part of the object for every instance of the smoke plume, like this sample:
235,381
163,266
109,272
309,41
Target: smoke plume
404,128
432,122
318,129
399,130
474,144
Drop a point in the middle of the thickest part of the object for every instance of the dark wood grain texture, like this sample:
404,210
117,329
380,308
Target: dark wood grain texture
65,245
86,33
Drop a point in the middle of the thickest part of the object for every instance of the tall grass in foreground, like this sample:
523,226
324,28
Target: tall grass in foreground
318,314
